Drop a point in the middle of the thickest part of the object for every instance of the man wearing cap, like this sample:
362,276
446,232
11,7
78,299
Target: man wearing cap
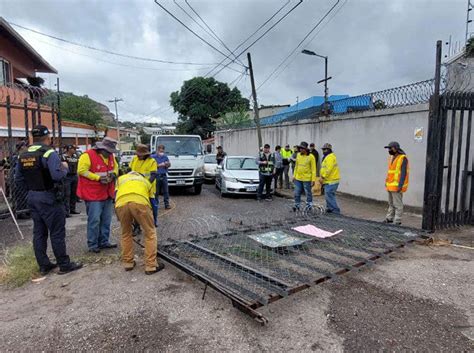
39,168
220,155
132,204
286,154
315,153
330,178
396,182
144,164
70,184
304,176
163,164
266,169
97,171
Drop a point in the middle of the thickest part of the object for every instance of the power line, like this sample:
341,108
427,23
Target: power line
310,40
212,31
299,44
109,51
242,43
189,29
279,20
261,36
120,64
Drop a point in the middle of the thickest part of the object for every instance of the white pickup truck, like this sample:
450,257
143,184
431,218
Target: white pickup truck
186,156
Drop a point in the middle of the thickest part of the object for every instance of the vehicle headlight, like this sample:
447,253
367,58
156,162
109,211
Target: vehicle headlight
230,180
199,172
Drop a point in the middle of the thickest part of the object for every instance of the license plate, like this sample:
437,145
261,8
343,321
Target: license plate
251,188
180,182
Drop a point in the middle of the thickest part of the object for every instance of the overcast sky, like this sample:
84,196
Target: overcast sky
371,44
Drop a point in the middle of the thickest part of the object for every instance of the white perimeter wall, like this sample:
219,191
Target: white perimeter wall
358,140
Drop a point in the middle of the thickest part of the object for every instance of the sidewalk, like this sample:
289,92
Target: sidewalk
360,208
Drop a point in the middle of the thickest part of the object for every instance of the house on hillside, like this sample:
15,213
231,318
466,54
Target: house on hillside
129,138
19,84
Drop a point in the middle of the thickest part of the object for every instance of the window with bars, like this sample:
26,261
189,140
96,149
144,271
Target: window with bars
5,76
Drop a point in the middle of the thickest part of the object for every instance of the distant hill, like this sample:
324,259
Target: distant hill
81,108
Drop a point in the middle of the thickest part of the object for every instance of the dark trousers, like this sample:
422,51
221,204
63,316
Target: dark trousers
265,181
48,218
70,198
162,187
279,177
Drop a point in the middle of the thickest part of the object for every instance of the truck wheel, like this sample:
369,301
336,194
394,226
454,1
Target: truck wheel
197,189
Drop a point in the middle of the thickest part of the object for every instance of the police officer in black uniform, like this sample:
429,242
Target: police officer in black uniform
40,169
70,184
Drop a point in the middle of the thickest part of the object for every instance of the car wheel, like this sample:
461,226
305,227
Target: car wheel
197,189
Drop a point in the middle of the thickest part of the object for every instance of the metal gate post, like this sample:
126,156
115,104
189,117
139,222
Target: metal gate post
430,198
53,125
9,127
25,108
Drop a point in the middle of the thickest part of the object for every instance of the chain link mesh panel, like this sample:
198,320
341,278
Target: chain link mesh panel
236,256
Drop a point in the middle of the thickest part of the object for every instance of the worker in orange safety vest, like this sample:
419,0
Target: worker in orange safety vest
396,182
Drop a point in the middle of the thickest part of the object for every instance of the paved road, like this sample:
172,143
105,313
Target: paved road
420,298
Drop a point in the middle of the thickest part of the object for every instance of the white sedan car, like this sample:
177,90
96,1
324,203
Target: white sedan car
238,175
210,167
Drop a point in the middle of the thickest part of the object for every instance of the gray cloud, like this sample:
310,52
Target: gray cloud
371,44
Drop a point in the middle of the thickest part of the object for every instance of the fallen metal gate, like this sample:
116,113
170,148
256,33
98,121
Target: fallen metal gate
253,273
449,187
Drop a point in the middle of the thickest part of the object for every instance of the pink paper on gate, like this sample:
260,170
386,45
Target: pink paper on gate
309,229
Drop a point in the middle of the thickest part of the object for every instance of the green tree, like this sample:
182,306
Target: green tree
82,109
201,101
144,137
239,118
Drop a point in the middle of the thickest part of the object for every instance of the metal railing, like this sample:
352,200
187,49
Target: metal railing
411,94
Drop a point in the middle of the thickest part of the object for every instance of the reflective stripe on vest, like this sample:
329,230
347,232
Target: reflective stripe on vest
394,173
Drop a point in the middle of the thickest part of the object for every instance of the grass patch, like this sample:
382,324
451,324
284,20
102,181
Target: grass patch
20,266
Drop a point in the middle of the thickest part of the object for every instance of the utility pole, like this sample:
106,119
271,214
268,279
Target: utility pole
255,103
60,125
115,100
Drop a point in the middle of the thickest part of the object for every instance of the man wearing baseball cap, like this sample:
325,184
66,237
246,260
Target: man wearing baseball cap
39,169
71,158
304,177
330,178
144,164
97,171
396,182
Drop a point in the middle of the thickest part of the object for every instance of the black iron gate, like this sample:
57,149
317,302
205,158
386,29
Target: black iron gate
449,187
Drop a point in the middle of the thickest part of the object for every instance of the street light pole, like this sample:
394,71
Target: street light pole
325,80
115,100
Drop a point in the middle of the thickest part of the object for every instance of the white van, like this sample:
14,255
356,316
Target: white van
186,156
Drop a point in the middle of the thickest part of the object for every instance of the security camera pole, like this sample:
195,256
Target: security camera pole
115,100
255,104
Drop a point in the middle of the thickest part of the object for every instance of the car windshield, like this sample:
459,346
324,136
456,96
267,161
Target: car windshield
210,159
180,146
241,164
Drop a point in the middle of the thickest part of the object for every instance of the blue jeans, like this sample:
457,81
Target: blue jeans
299,186
154,207
162,187
330,194
99,218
